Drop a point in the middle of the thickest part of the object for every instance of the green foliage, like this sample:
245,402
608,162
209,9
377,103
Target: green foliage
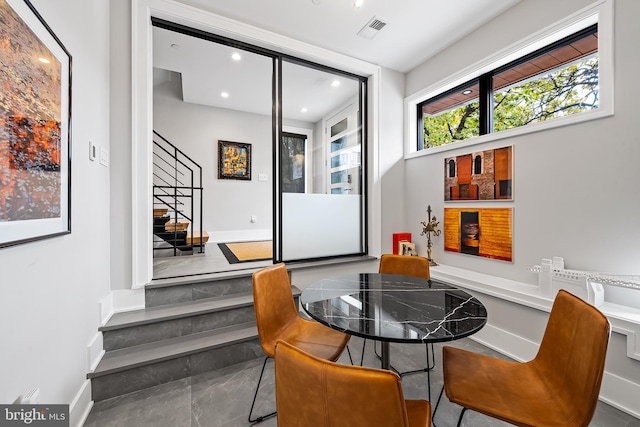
563,92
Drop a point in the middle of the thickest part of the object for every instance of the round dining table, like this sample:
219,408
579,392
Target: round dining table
394,308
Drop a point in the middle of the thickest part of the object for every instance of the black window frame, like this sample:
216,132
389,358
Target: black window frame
485,83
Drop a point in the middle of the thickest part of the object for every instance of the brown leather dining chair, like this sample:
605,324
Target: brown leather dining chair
415,266
277,318
559,387
311,391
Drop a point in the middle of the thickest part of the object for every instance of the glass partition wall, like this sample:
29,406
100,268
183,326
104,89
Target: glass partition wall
306,125
327,218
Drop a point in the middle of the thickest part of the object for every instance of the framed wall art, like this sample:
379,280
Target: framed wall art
234,160
484,232
35,112
481,175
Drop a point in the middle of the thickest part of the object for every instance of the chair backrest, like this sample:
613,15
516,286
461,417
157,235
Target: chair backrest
415,266
572,354
273,303
315,392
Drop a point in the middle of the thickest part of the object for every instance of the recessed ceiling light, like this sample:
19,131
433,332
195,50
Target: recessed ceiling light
466,92
224,94
304,110
236,56
335,83
44,60
358,3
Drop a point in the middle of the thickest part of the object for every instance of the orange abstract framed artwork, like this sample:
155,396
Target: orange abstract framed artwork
234,160
35,111
484,232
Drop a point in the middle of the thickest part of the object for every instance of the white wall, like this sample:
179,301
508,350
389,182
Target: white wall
51,288
391,162
195,129
575,191
575,188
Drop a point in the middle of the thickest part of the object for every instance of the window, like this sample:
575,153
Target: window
477,165
557,80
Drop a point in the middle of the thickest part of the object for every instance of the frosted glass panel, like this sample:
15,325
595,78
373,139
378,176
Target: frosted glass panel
320,225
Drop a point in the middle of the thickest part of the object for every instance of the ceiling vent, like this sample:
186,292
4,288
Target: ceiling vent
372,28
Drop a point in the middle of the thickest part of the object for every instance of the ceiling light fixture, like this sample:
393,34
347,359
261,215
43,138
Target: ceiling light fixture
224,94
358,3
236,56
466,92
335,83
304,110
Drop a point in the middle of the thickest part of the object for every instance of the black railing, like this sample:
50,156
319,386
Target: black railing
177,187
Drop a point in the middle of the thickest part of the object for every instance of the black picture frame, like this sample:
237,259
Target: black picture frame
35,141
234,160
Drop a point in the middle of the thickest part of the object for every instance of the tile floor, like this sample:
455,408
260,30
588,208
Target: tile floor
222,398
211,261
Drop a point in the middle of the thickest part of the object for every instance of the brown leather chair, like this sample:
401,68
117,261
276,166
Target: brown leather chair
409,266
559,387
311,391
277,318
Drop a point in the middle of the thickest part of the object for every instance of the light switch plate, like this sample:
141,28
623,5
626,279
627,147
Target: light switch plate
104,156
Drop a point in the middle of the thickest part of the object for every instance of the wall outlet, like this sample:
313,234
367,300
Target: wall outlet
93,151
263,177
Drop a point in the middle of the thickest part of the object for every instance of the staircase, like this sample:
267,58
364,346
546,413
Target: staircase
177,201
188,327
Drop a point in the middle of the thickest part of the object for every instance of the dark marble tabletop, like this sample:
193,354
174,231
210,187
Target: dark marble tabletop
394,308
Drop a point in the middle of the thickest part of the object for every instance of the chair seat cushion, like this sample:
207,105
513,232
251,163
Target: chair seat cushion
315,338
419,413
510,391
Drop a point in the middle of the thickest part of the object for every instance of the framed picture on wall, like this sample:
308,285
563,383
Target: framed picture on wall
234,160
35,111
481,175
483,232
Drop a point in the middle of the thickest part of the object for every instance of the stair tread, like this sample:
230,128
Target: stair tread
175,311
179,310
141,355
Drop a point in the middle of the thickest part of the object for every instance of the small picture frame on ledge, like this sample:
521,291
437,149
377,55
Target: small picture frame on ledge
234,160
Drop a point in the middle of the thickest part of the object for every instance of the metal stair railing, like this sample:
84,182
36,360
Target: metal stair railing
177,187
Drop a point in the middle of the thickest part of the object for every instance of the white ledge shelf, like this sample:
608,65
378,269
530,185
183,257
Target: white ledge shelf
624,319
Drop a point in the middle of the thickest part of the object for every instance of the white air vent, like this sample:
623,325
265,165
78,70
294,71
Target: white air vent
372,28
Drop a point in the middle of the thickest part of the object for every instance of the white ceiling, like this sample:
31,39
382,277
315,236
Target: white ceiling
415,31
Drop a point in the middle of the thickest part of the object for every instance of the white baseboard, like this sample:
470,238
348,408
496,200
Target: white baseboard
81,405
621,394
240,235
95,351
616,391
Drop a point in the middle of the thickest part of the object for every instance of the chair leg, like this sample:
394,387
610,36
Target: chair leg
264,417
364,343
461,415
438,402
349,352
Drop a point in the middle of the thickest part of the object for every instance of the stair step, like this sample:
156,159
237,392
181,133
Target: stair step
177,290
137,368
171,321
146,354
176,311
